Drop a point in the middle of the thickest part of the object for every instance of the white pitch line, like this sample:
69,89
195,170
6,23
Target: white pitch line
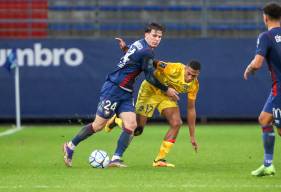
10,132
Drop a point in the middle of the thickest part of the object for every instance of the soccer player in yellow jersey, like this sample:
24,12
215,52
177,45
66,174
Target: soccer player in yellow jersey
183,78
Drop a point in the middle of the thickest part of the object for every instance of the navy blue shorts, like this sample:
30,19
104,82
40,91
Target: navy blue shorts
273,106
113,100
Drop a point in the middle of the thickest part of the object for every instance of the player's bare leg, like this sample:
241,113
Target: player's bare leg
175,122
84,133
265,120
174,118
129,125
141,122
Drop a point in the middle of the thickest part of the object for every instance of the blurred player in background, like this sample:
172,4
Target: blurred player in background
269,49
116,93
183,78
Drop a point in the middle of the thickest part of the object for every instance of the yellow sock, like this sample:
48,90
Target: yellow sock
164,150
118,121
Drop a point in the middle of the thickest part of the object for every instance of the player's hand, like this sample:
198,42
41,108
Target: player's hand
173,94
246,74
122,43
248,71
194,144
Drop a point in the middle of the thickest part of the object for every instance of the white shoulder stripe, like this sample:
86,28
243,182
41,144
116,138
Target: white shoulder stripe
138,45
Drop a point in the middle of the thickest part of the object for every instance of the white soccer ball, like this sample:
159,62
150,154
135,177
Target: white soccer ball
99,159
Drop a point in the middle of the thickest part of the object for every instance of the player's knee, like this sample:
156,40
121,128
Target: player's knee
263,121
97,126
130,125
138,131
176,124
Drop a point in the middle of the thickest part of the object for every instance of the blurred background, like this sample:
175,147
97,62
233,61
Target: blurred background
65,48
108,18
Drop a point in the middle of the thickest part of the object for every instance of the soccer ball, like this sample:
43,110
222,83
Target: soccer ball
99,159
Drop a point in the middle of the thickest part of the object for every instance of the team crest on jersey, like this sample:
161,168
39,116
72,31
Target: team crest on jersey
162,65
185,87
277,38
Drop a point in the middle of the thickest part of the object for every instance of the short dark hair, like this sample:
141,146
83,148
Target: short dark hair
155,26
195,65
273,10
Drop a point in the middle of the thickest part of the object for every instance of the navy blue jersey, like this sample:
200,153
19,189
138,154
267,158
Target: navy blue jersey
269,46
131,65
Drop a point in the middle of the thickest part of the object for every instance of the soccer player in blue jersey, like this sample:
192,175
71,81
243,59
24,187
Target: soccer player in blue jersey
116,95
179,76
269,49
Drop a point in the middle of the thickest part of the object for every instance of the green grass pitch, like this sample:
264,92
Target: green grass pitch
32,160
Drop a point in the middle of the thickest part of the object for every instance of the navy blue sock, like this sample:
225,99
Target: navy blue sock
123,142
83,134
268,137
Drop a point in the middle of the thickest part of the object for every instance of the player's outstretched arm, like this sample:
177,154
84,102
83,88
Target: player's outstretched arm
149,76
191,118
122,44
255,64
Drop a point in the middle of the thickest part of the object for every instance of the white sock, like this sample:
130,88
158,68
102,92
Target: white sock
71,145
114,157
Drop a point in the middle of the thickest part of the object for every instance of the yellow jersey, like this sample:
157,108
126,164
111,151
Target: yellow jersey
172,75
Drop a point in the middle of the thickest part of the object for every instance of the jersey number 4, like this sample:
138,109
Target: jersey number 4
126,58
